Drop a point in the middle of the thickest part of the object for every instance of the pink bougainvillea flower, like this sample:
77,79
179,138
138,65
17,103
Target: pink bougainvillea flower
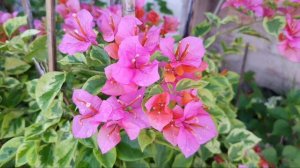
134,64
66,8
170,25
186,96
158,112
153,17
108,24
92,111
190,128
112,50
94,10
289,44
39,25
128,115
139,9
79,33
116,9
255,6
4,16
128,27
186,59
150,38
113,88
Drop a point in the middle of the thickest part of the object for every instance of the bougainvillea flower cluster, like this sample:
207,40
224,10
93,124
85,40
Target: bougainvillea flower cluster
131,43
289,42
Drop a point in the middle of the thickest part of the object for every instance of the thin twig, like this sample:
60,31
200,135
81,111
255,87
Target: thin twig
218,7
188,22
242,74
27,10
50,15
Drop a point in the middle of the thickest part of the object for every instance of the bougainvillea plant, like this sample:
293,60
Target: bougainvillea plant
127,93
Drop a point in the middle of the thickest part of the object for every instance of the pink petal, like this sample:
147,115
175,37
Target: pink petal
104,112
83,128
147,75
136,97
152,39
192,109
112,50
85,102
70,45
131,127
170,133
114,88
122,75
128,27
195,51
166,46
108,137
187,143
108,25
159,119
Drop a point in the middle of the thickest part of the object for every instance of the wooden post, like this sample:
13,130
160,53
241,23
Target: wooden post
51,37
128,7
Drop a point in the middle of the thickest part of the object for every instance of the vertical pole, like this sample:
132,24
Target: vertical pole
188,22
128,7
50,17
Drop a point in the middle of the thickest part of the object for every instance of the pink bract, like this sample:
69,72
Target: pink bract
79,33
67,7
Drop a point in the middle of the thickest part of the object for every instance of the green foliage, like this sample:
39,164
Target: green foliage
13,24
275,25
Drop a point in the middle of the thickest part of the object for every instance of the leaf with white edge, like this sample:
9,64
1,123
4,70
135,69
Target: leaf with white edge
236,151
214,146
180,161
37,49
107,160
47,156
64,150
9,150
224,125
146,137
48,86
202,29
13,124
24,149
99,55
30,87
274,25
206,97
86,158
75,59
212,18
242,135
50,136
185,84
29,33
12,25
229,19
94,84
209,41
15,66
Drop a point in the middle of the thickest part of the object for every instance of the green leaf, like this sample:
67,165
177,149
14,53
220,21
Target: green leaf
29,33
229,19
65,149
202,29
163,7
94,84
48,86
214,19
50,136
130,150
37,49
252,32
185,84
15,66
100,55
23,150
9,149
242,135
159,57
291,156
86,158
162,155
47,156
30,86
153,90
236,151
209,41
274,25
281,128
13,124
146,137
207,97
107,160
270,154
180,161
75,59
224,125
14,24
137,164
214,146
